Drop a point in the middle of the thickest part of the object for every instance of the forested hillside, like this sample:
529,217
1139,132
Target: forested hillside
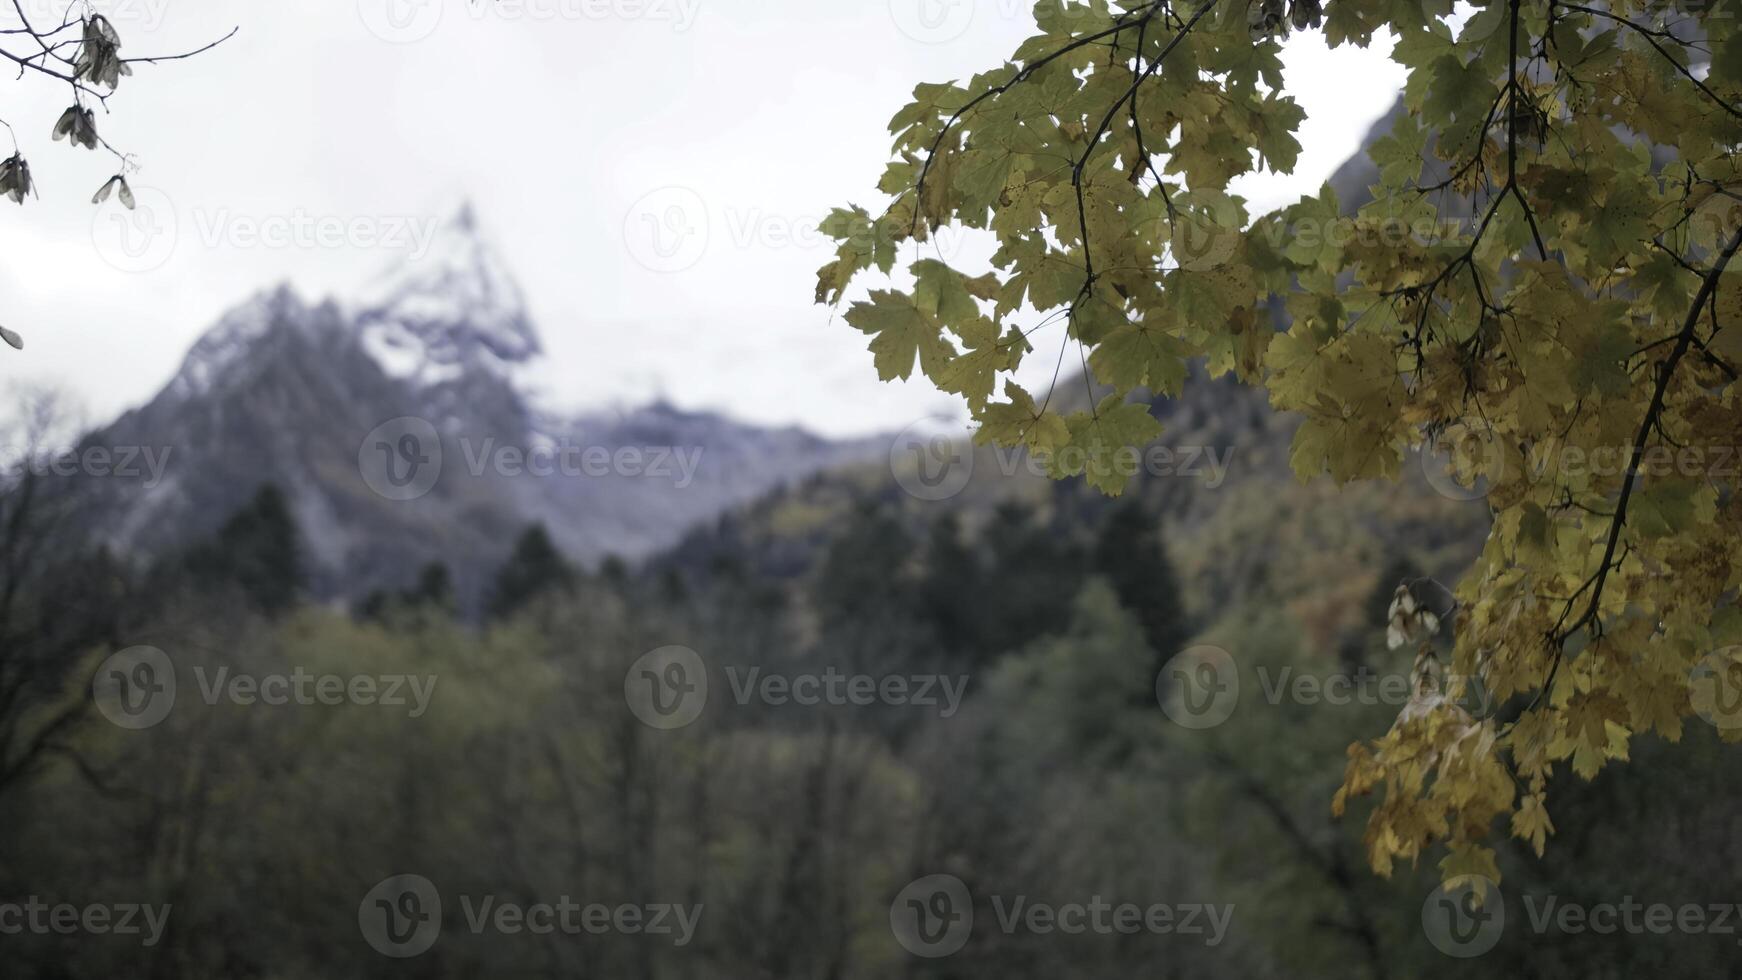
1027,757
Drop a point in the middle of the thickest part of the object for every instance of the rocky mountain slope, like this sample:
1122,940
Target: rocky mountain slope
400,428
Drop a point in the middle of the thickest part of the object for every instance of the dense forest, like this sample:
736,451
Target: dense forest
505,759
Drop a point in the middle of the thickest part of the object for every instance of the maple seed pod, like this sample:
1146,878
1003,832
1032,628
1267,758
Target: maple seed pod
14,178
1264,17
78,125
99,57
64,125
1409,617
110,185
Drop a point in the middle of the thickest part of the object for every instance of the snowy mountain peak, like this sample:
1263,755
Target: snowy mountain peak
466,219
448,308
284,391
234,335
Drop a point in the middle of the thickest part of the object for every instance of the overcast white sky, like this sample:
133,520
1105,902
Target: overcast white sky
558,118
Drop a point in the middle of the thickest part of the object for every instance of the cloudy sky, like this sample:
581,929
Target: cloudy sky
653,171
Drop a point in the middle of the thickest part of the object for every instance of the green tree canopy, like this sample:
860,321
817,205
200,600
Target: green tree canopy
1530,286
534,568
258,551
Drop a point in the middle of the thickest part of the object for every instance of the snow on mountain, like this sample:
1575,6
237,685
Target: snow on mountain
431,318
293,393
451,309
234,335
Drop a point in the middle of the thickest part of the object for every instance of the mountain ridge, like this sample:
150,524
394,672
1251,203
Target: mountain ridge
318,398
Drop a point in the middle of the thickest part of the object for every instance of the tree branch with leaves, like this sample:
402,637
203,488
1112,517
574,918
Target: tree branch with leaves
83,53
1524,252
